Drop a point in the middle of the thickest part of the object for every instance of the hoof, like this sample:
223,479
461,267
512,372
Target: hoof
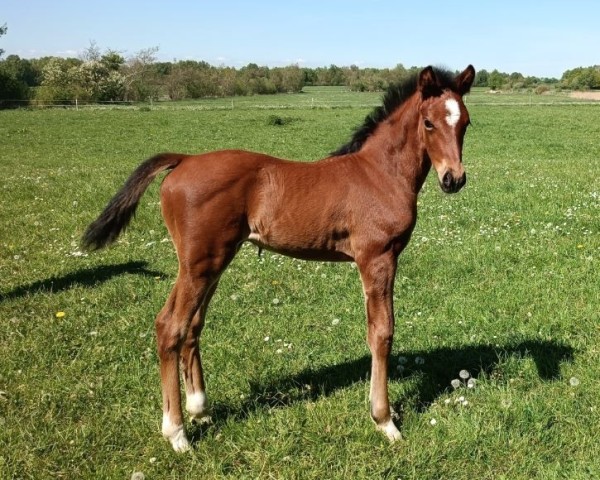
202,419
390,430
176,435
180,442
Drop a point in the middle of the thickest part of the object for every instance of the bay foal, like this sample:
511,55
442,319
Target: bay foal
359,204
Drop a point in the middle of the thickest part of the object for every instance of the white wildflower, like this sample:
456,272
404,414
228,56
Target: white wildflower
574,381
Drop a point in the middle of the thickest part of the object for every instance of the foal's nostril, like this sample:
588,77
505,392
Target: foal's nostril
447,180
462,180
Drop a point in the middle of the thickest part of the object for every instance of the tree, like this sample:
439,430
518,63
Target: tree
20,69
140,80
88,81
57,84
16,76
482,78
91,53
581,78
3,30
113,60
495,80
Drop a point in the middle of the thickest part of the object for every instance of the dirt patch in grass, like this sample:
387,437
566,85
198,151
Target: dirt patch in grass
585,95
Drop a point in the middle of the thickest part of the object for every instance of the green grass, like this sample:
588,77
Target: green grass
501,280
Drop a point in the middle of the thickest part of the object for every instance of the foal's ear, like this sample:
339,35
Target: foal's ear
428,83
465,80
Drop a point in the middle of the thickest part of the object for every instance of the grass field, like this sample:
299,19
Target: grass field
500,280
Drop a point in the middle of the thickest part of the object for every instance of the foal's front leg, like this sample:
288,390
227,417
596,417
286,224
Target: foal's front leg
377,276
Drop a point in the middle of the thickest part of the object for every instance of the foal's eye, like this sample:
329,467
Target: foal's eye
428,124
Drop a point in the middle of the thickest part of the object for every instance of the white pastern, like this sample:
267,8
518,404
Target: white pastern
453,109
390,430
196,404
175,434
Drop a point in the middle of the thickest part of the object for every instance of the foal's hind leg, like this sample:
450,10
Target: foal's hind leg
193,375
172,324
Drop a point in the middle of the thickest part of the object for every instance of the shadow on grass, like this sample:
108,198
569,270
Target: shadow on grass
440,368
87,277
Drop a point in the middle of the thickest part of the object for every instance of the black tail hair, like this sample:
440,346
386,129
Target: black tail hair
121,208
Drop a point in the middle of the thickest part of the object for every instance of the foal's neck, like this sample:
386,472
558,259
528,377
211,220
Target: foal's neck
397,147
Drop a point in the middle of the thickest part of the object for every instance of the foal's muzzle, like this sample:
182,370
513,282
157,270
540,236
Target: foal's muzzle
452,184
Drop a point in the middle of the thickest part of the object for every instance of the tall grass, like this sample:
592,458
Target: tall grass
500,280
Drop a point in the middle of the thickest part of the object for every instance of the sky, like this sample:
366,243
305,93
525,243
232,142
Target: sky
536,38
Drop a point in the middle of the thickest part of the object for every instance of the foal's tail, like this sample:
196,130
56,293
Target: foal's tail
121,208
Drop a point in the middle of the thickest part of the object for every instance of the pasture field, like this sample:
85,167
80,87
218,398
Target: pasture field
501,280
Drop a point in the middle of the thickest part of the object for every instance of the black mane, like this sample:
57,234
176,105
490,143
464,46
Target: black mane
395,96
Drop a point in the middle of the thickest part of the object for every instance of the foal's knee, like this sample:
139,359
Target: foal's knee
380,339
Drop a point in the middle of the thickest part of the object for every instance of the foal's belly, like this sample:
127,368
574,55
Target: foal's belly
327,250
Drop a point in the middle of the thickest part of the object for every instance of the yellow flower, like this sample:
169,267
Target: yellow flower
60,314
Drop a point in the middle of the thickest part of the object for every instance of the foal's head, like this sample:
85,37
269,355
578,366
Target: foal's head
443,121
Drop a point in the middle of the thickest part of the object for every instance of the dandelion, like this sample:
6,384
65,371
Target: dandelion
455,383
402,360
276,301
433,422
60,314
574,381
464,374
138,476
335,321
400,368
266,339
471,383
419,361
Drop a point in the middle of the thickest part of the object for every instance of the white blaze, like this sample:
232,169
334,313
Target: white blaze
453,110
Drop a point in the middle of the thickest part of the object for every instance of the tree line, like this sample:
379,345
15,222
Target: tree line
108,76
